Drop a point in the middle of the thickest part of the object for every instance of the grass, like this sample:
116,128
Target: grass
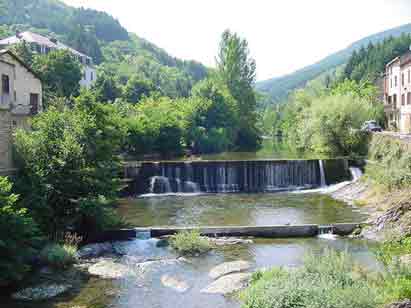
332,280
190,243
59,256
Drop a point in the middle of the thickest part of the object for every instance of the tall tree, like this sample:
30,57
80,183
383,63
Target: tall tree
60,72
23,51
237,70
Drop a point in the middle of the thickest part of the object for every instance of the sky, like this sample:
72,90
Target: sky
283,35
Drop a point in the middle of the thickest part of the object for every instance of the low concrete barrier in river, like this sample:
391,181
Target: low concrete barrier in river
276,231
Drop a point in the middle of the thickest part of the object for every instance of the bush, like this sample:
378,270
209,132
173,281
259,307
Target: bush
391,165
331,281
59,256
19,237
190,243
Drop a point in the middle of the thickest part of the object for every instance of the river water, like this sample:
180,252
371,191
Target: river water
146,288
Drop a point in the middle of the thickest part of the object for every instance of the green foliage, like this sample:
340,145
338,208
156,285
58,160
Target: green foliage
190,243
68,159
23,51
389,251
212,123
59,71
137,88
391,162
329,123
107,87
63,17
18,236
331,281
157,126
84,39
59,256
237,71
369,62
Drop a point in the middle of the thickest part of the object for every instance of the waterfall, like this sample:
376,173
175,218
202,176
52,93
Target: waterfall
323,182
248,176
327,233
160,184
356,173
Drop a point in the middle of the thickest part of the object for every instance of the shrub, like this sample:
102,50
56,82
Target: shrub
190,243
331,281
59,256
19,236
391,165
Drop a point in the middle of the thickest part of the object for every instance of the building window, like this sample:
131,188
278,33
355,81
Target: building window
5,84
409,76
409,98
402,79
403,99
34,103
389,100
394,98
87,61
91,76
390,82
395,81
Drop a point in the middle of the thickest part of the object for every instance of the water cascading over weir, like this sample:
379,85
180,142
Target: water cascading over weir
233,176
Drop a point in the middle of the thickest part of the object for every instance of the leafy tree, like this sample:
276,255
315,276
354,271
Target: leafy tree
137,88
157,126
84,40
107,87
69,165
23,51
19,236
212,123
237,70
60,72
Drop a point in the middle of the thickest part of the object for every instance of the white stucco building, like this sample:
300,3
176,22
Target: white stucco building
20,98
43,45
397,93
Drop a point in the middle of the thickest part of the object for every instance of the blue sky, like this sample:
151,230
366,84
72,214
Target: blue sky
283,35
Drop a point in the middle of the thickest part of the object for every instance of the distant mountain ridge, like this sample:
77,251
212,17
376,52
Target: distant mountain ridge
278,88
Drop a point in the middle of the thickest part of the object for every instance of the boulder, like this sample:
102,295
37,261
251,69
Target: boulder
229,268
95,250
222,241
41,292
228,284
108,269
174,283
404,304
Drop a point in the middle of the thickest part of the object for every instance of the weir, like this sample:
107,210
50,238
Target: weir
166,177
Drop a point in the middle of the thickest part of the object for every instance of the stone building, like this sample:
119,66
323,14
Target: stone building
20,98
43,45
397,93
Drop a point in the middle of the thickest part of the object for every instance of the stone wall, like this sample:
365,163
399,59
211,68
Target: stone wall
15,107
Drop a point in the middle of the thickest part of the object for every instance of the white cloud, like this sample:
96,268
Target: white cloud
283,35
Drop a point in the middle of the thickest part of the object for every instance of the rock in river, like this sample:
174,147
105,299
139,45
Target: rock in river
228,268
109,269
174,283
95,250
41,292
228,284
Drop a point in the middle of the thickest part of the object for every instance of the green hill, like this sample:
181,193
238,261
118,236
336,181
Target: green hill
101,36
278,88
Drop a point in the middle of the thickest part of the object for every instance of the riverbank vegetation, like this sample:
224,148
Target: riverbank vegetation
331,280
190,243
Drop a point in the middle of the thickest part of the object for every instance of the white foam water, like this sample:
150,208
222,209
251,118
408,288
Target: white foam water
356,174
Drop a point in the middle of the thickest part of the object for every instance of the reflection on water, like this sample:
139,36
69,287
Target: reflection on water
270,149
237,210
